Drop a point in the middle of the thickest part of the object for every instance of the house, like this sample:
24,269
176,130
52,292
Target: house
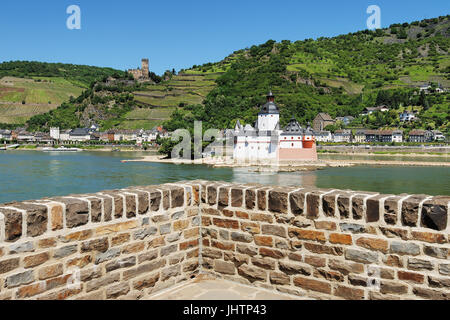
359,136
420,136
372,135
80,135
54,133
43,138
5,135
407,116
437,135
104,136
370,110
25,136
397,136
65,135
321,121
342,136
345,120
323,136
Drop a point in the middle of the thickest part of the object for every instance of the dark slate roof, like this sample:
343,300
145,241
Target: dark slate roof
293,128
80,132
270,108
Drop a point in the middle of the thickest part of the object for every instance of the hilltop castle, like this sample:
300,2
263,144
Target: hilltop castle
267,142
141,74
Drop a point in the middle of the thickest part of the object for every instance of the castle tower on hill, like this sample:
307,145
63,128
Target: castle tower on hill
143,73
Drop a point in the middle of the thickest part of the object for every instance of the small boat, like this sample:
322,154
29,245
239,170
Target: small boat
61,149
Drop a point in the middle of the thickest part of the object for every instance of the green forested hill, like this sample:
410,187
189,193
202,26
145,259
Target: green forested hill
340,75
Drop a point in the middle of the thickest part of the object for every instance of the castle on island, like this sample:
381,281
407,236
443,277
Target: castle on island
267,142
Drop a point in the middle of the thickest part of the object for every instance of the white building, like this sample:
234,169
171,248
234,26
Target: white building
54,133
323,136
267,142
407,116
397,136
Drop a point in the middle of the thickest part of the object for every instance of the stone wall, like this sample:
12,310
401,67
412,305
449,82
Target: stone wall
113,244
326,244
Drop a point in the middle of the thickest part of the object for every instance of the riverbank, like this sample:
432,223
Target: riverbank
288,166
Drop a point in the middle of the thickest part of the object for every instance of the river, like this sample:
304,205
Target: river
27,175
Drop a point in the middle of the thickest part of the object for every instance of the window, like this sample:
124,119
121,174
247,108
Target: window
292,144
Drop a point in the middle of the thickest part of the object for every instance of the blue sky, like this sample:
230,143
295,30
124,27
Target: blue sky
179,34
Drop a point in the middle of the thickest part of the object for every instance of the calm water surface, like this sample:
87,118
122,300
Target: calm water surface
26,175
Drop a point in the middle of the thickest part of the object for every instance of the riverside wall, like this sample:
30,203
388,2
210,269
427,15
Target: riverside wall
130,243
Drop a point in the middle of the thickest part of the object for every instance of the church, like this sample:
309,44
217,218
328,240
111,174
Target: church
267,142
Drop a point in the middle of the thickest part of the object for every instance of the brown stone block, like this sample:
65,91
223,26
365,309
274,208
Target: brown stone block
13,224
226,223
96,209
323,249
304,234
431,294
47,243
223,245
250,199
373,244
274,230
37,218
297,202
180,225
262,199
344,207
224,199
325,225
435,213
391,210
345,267
410,210
264,263
313,205
237,197
51,271
278,201
349,293
315,261
251,227
120,239
394,232
35,260
31,290
9,265
393,287
428,237
329,204
358,206
410,276
272,253
189,244
311,284
373,208
146,282
252,273
341,238
77,211
262,217
57,218
263,241
100,245
279,278
212,194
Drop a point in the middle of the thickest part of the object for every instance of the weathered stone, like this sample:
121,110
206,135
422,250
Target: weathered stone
405,248
250,199
262,199
212,195
170,272
278,201
353,228
51,271
252,274
345,267
100,245
143,269
358,206
279,278
9,265
329,204
435,282
146,282
274,230
391,210
107,207
361,256
357,280
224,199
155,199
410,276
177,196
276,254
434,213
77,211
394,232
373,208
117,290
340,238
373,244
241,237
419,264
165,228
247,250
65,251
444,269
441,253
428,237
294,268
224,267
312,205
325,225
431,294
393,261
13,224
323,249
20,279
349,293
121,263
102,282
311,284
393,287
37,218
96,209
237,196
410,210
144,233
226,223
297,202
264,263
343,202
108,255
21,247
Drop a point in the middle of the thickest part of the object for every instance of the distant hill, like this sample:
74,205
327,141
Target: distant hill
31,88
340,75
